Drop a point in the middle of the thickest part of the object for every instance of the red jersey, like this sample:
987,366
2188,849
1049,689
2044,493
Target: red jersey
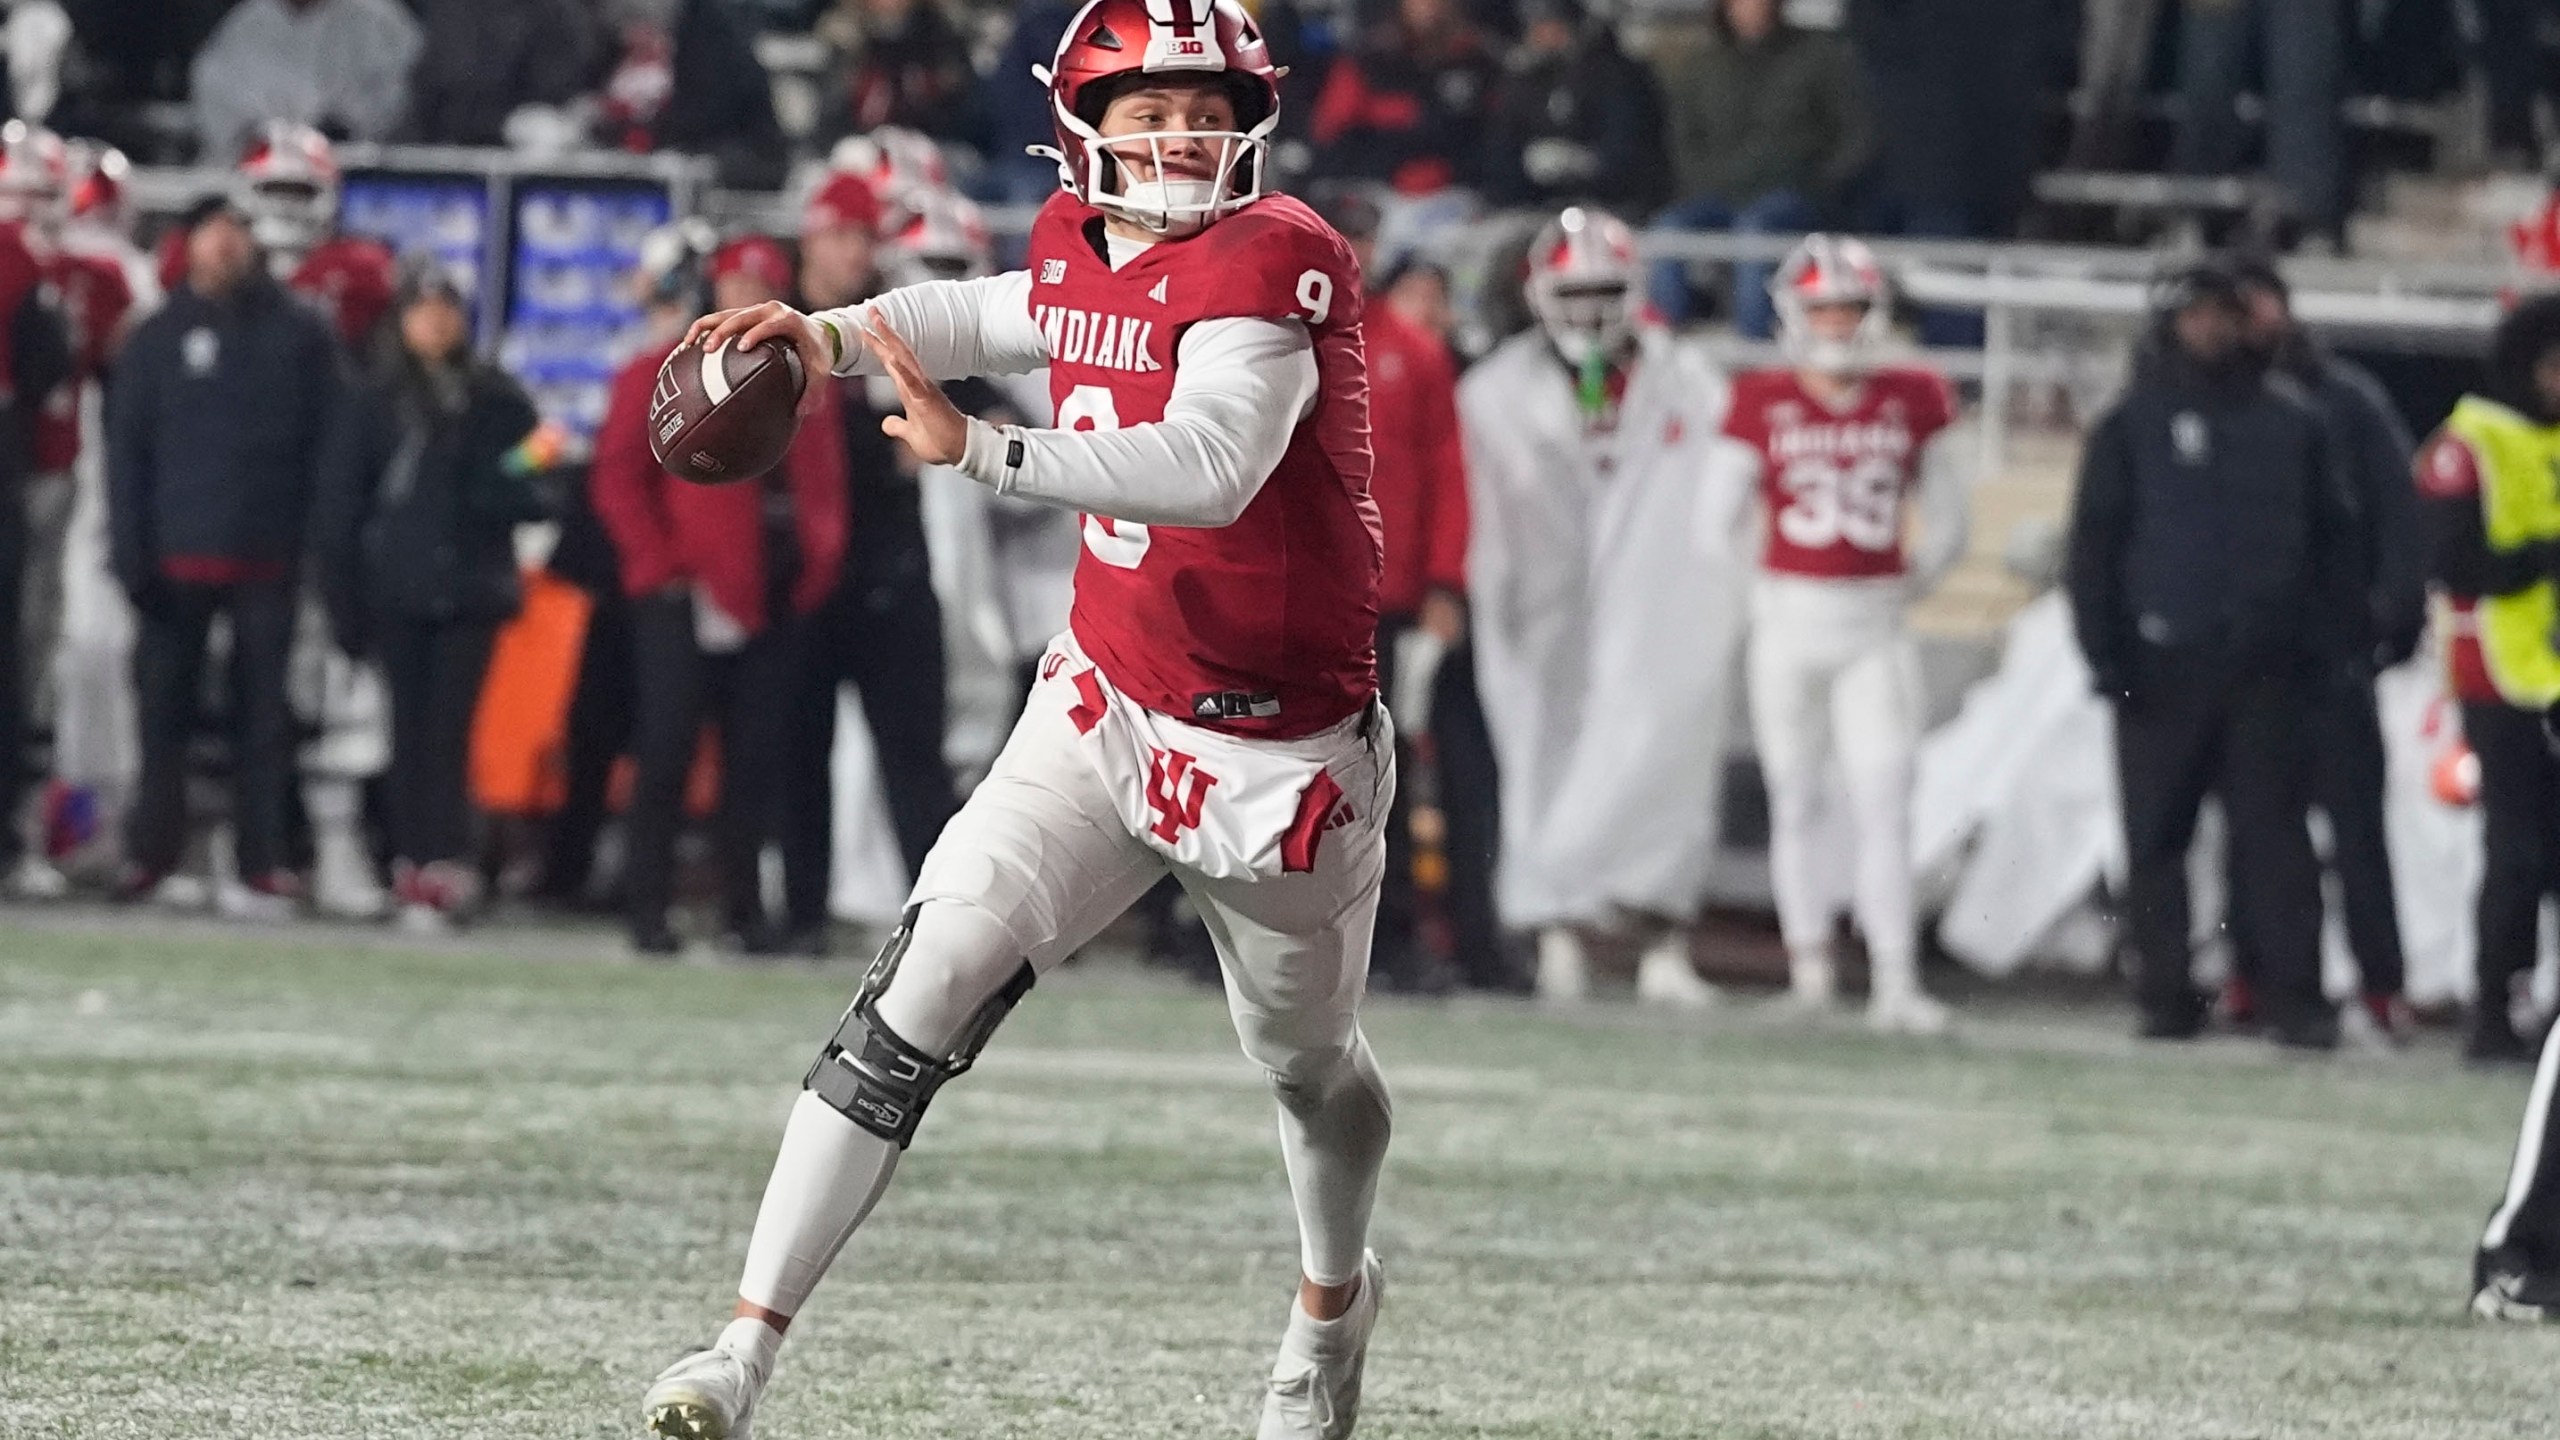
351,279
2448,470
1421,481
96,297
1266,627
1833,481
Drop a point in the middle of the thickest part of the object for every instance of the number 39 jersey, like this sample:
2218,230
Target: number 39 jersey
1833,481
1267,626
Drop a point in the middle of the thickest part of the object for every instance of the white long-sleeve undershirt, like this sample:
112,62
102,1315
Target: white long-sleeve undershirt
1942,501
1240,388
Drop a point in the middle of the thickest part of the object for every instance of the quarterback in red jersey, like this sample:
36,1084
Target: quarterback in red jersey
1211,711
1838,446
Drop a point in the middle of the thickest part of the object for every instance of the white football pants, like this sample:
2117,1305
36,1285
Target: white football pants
1833,674
1035,864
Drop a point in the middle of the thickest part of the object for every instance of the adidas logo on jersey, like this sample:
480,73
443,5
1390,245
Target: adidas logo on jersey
1083,337
1157,294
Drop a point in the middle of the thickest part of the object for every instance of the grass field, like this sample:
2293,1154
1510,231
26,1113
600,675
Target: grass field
272,1185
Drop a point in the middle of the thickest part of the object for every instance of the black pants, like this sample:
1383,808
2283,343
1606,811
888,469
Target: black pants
13,673
2531,1223
1395,953
599,733
882,631
434,670
2343,729
1469,804
2202,722
2520,811
679,686
168,679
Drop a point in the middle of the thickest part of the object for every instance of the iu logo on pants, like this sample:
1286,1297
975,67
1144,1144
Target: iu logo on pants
1176,786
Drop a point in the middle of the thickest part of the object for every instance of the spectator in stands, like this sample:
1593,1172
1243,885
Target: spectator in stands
2493,537
340,66
681,76
1767,128
723,579
1574,119
881,629
428,475
1018,113
2388,567
215,428
1408,105
2303,48
2515,70
903,63
482,63
2205,574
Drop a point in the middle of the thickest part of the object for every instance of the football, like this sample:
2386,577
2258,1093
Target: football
725,415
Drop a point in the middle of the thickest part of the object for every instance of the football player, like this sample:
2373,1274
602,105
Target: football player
97,301
1605,630
1839,445
291,181
1211,711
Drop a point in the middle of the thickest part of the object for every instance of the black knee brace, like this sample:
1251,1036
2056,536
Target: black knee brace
873,1076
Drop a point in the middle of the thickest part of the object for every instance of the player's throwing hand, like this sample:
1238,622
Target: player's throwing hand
933,427
773,320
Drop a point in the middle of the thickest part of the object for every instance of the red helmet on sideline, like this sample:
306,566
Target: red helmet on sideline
1830,270
1114,41
35,174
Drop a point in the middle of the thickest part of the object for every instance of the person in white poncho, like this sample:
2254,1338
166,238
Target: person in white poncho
1605,624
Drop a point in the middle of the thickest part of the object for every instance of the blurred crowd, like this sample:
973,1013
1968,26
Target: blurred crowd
1877,116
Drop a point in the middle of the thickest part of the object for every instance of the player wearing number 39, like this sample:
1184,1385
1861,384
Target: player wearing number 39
1834,444
1211,710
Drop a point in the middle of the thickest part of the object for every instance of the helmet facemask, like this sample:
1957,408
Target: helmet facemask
1169,205
1827,271
290,217
1587,318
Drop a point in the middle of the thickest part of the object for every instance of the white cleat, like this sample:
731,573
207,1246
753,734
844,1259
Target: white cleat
1564,970
1315,1384
1906,1012
1665,977
36,879
707,1395
1813,982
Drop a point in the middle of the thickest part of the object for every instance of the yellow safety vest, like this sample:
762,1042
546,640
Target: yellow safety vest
2519,504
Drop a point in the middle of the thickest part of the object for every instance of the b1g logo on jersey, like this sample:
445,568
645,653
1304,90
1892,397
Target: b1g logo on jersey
1108,342
1176,789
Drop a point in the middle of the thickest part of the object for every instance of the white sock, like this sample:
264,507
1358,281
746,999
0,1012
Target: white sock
827,1177
831,1172
753,1342
1333,1138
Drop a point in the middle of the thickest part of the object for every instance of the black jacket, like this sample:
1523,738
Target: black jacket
417,508
2212,512
2388,553
1595,120
215,426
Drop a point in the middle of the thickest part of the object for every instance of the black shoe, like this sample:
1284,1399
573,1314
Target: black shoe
2504,1286
2315,1031
658,941
809,942
758,941
2493,1041
2178,1022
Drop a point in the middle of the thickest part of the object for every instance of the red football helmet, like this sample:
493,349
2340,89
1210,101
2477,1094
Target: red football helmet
946,239
35,174
99,173
901,166
291,179
1582,282
1830,270
1115,41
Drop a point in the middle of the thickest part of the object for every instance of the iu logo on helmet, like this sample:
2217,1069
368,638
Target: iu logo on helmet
1176,786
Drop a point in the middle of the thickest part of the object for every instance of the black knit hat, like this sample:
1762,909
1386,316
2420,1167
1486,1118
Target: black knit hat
2214,281
2530,332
